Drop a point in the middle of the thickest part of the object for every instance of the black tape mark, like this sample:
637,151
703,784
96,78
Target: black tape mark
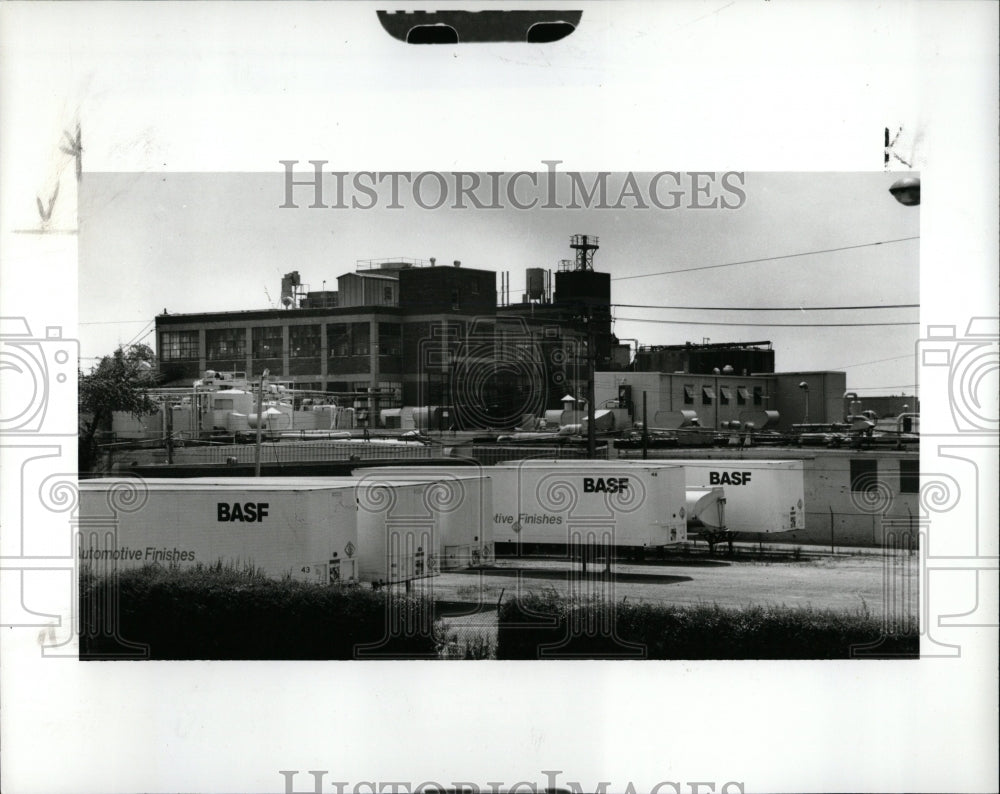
469,27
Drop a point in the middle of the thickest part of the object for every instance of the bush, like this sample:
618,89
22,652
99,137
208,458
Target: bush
221,612
548,626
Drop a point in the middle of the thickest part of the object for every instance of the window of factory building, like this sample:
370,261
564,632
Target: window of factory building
267,342
707,395
338,337
303,341
390,394
390,339
864,475
226,343
387,294
360,339
724,395
689,395
758,395
909,476
178,345
741,395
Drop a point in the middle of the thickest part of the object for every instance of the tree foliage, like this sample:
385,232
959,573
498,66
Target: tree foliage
118,382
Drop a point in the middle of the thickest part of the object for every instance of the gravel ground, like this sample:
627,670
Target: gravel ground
885,585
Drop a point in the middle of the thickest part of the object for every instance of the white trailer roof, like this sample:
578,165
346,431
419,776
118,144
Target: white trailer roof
212,484
583,462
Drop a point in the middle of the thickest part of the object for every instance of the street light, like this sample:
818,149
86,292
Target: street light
805,387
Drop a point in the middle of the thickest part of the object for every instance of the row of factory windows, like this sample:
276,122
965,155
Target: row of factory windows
305,341
725,395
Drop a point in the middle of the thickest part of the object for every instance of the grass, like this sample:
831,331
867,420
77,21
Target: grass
545,624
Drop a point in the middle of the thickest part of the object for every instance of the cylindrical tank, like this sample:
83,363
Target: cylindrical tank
535,278
427,418
706,506
759,418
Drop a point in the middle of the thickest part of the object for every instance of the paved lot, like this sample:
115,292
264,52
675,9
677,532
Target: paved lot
882,584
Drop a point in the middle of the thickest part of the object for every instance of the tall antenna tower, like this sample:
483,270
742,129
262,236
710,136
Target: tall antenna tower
584,245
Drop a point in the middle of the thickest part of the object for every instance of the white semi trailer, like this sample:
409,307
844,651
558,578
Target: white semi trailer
461,499
398,533
762,496
568,502
397,520
283,528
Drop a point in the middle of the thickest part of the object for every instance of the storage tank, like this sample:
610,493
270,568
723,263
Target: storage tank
221,404
762,496
428,418
461,498
560,502
307,531
706,507
535,277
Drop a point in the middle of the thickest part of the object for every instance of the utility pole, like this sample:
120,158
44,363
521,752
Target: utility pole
591,365
260,420
645,428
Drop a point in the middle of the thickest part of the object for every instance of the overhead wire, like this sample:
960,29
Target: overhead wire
766,259
768,308
762,325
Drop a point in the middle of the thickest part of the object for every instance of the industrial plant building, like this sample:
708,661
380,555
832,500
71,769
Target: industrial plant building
403,335
408,332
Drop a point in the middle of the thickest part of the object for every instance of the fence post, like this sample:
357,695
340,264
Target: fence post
168,408
645,429
833,550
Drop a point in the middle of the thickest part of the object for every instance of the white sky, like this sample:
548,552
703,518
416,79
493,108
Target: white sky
220,242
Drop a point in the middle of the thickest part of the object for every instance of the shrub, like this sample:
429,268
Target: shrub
221,612
547,626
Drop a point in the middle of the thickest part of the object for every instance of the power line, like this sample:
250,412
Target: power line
892,386
114,322
768,308
760,325
876,361
137,337
767,258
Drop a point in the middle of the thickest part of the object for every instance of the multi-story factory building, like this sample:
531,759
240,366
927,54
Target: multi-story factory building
406,332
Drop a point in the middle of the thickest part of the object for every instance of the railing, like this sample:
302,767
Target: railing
376,264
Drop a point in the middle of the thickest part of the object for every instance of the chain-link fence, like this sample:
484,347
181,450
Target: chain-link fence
293,451
469,634
490,455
